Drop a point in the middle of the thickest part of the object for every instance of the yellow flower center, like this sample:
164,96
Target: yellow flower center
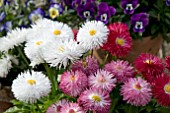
96,98
84,64
61,49
39,43
120,41
92,32
57,32
72,78
53,13
137,86
148,61
167,88
31,82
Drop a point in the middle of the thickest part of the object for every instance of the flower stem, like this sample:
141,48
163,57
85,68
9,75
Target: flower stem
51,77
105,60
38,108
33,108
22,55
91,52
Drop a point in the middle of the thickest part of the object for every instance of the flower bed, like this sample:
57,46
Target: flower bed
56,71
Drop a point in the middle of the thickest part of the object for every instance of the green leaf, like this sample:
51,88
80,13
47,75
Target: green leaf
130,109
113,104
163,110
167,15
154,29
153,13
16,110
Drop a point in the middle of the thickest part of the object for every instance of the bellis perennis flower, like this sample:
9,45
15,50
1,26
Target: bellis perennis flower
29,87
119,41
73,83
122,70
136,91
103,80
56,107
72,108
161,90
92,34
149,64
61,53
95,100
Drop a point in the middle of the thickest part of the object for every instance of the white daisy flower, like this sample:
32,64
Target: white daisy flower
42,23
60,30
54,29
59,53
6,65
92,34
13,38
33,47
31,87
39,27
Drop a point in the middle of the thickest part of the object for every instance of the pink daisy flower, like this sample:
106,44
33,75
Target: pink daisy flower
89,66
161,90
95,100
119,41
167,62
73,83
71,108
56,107
149,65
121,69
136,91
102,80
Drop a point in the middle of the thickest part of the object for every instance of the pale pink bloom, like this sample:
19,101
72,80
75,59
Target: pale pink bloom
102,80
73,83
121,69
56,107
71,108
95,100
136,91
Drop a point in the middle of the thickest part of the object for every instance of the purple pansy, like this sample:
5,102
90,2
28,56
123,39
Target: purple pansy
168,2
8,26
129,6
36,14
2,16
55,10
105,12
1,27
69,3
139,22
81,3
87,11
